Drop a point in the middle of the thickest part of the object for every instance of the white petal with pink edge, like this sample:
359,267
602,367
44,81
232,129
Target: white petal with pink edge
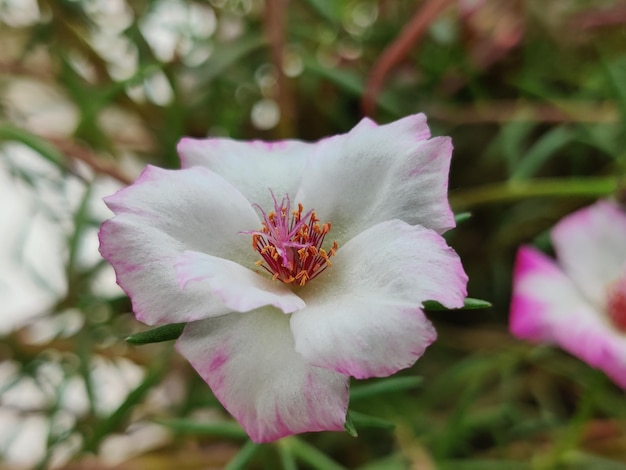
235,286
363,316
376,173
591,247
158,217
254,167
548,307
250,363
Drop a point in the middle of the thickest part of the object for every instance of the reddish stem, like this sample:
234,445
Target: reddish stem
399,49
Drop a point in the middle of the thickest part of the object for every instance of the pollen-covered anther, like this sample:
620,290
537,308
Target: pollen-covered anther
290,243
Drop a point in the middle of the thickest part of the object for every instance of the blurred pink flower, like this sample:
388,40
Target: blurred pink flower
348,232
579,303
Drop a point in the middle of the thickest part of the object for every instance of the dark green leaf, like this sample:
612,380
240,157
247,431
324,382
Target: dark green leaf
157,335
366,421
39,145
541,151
114,420
462,217
470,304
243,457
329,9
387,385
311,455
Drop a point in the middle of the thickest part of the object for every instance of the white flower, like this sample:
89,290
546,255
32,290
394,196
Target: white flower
580,303
278,319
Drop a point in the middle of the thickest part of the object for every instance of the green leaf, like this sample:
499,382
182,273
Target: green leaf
480,464
395,461
115,420
349,426
350,82
329,9
287,460
615,75
228,54
366,421
44,148
243,457
314,457
462,217
157,335
544,149
470,304
388,385
80,224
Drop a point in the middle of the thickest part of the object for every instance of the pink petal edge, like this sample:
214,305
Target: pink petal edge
591,247
249,362
156,218
364,318
546,307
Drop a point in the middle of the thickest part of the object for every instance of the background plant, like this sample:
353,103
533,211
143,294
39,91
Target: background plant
533,94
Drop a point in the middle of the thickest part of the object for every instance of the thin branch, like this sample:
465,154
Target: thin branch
78,152
399,49
600,18
16,68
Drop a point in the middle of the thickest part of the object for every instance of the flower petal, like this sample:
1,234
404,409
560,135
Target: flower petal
254,167
548,307
249,362
591,247
162,214
235,286
363,315
376,173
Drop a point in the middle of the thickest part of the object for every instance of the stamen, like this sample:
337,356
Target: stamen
616,303
290,243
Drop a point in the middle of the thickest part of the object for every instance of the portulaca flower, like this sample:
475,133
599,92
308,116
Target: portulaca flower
579,303
295,265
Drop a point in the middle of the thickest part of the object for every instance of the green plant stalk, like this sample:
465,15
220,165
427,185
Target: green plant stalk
39,145
311,455
540,187
114,421
242,458
80,223
287,459
393,384
576,426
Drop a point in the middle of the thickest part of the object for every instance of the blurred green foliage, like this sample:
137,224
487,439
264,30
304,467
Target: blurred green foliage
533,94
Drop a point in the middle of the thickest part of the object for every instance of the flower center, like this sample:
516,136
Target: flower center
290,243
616,303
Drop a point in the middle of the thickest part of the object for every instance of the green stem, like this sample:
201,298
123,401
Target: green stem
242,458
576,427
543,187
116,419
287,459
310,455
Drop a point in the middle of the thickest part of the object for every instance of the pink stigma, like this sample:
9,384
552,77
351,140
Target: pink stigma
290,243
616,303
